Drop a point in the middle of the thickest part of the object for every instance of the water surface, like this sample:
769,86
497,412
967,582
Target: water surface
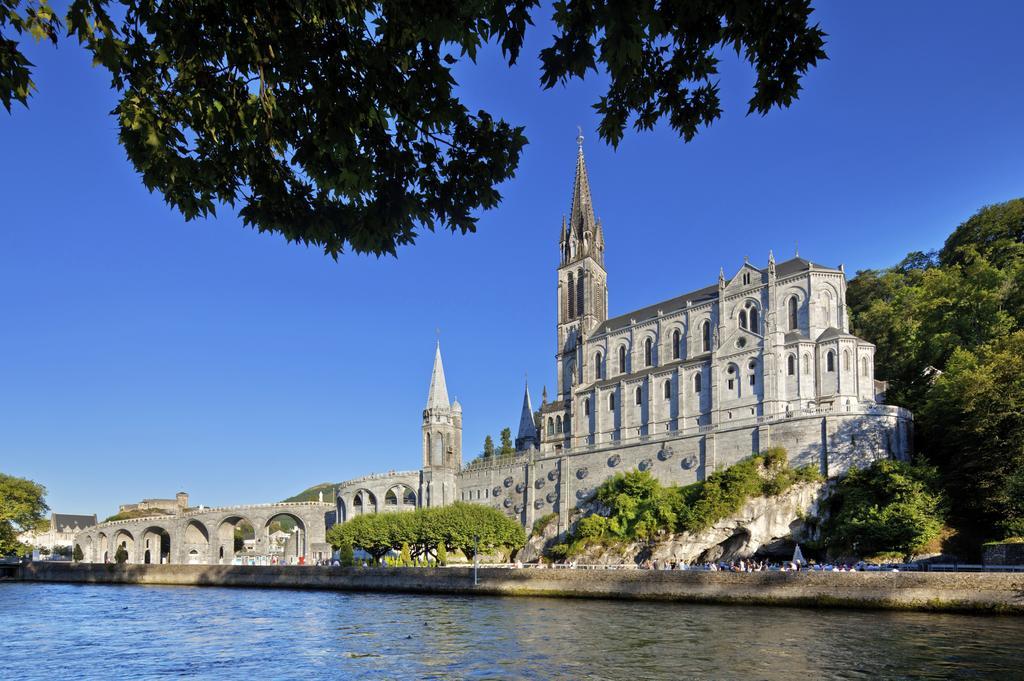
147,632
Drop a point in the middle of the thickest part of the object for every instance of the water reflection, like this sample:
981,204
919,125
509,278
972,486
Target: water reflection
155,632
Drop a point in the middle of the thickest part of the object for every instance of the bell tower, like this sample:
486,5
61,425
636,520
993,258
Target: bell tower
582,280
442,441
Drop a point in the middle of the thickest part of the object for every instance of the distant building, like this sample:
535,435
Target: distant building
176,505
60,531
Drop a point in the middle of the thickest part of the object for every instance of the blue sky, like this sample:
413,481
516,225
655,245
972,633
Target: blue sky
140,354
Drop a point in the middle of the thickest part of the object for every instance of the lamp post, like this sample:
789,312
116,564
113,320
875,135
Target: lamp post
476,558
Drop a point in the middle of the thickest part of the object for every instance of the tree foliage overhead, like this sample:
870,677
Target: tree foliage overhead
337,124
22,506
948,327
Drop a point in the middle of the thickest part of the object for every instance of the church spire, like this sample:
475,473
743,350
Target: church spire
527,436
437,398
581,219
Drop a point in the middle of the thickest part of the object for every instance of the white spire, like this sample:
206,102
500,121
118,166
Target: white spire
438,395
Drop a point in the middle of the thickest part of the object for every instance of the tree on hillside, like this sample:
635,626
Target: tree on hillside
338,125
22,505
507,448
488,447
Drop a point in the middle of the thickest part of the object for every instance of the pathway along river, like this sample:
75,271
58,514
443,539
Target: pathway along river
137,632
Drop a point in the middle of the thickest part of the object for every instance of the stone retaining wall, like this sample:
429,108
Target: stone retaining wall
992,592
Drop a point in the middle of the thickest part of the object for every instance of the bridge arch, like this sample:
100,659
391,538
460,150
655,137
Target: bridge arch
400,497
342,510
364,501
195,543
285,536
233,533
156,545
103,554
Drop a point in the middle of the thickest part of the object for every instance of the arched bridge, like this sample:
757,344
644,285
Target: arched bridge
393,491
284,531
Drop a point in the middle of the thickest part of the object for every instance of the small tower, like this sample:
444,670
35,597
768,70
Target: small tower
527,437
442,441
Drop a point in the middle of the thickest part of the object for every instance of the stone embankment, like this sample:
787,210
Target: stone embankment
985,592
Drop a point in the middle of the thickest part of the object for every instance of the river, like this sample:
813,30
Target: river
53,631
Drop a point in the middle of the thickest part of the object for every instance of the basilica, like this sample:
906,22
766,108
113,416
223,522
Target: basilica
683,387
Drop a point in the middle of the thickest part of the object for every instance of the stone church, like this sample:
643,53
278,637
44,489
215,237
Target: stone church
683,387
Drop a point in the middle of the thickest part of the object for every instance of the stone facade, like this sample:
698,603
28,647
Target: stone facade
681,388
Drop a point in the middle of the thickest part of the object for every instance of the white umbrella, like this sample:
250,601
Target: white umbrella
798,556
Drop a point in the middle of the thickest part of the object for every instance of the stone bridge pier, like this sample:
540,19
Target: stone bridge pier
206,536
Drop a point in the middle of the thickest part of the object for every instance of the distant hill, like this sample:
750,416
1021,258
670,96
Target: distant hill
311,494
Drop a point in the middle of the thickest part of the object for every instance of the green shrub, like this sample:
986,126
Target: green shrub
541,523
405,557
442,554
592,527
77,556
346,554
121,555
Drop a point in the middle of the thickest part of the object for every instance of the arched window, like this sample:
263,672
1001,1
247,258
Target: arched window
743,319
830,361
622,359
558,422
551,426
807,363
754,320
863,366
648,352
746,278
752,366
611,402
731,381
696,383
572,296
793,313
668,389
705,332
597,365
586,407
579,293
639,395
791,365
846,360
675,344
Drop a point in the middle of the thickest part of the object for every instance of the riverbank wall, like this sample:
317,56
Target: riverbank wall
978,592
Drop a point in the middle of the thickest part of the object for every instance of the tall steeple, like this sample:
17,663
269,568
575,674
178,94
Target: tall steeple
527,436
437,398
581,218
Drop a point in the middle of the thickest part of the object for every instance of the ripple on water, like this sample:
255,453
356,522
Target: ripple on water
142,632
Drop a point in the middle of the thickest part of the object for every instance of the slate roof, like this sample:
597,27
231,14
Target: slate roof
59,521
701,295
832,332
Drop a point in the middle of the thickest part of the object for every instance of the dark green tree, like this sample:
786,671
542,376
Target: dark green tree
346,555
338,125
121,555
507,448
78,555
488,447
442,554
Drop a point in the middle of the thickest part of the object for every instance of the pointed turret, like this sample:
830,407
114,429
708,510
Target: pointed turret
582,225
437,398
527,437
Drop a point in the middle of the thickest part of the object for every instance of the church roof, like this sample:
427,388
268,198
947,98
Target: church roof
437,398
59,521
527,428
701,295
832,332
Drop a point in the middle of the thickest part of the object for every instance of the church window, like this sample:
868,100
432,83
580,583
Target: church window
731,382
648,352
639,395
746,278
558,423
754,320
668,389
792,313
579,293
675,344
611,402
622,359
572,296
743,319
830,361
863,366
597,365
696,383
586,407
807,363
846,360
551,426
705,331
791,365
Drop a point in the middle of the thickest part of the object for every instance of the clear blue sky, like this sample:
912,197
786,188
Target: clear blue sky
140,355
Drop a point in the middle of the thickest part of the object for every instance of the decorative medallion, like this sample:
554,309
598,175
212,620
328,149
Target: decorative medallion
519,508
688,462
552,475
645,465
508,481
539,483
614,460
551,497
521,487
539,504
582,473
666,453
508,503
496,491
